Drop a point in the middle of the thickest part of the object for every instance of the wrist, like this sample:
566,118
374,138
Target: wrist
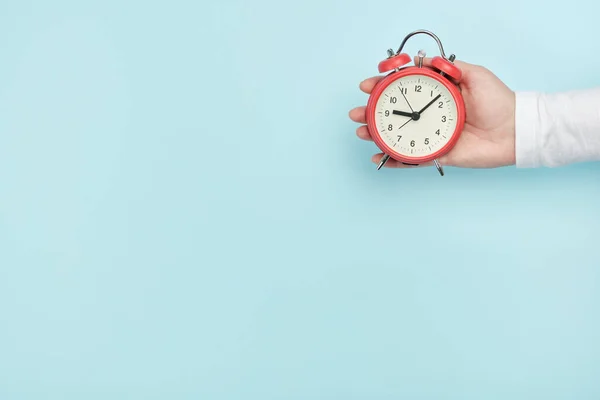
510,151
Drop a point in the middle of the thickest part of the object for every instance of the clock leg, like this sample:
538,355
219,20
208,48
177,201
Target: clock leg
383,161
439,167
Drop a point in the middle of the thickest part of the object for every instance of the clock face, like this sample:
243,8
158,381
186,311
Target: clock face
416,115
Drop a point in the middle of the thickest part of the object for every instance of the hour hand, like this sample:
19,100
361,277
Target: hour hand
405,114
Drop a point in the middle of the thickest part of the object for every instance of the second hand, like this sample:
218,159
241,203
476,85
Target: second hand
411,109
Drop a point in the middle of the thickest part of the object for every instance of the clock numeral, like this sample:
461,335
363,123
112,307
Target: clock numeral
417,88
412,143
404,90
437,132
399,137
390,127
441,104
393,100
431,93
443,118
387,113
426,140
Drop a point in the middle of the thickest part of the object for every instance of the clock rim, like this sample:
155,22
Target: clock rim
388,80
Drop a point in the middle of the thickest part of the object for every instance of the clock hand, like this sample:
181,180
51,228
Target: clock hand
405,124
386,157
407,101
430,103
406,114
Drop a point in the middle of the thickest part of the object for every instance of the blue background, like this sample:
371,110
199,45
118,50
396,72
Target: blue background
186,212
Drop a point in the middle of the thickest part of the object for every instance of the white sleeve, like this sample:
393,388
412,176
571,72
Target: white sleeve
556,129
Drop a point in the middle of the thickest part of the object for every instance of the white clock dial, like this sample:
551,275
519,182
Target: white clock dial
416,115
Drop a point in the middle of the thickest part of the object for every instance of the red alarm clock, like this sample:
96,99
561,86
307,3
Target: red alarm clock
416,114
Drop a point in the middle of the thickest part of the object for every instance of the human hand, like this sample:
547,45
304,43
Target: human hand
488,137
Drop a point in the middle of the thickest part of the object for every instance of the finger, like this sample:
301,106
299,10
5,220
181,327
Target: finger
466,68
391,163
358,115
426,61
363,133
460,64
368,84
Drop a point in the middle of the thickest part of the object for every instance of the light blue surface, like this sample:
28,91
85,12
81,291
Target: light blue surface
186,212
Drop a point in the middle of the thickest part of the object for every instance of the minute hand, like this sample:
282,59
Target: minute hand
430,103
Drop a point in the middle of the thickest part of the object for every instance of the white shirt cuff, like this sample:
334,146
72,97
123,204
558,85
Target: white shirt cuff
527,129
